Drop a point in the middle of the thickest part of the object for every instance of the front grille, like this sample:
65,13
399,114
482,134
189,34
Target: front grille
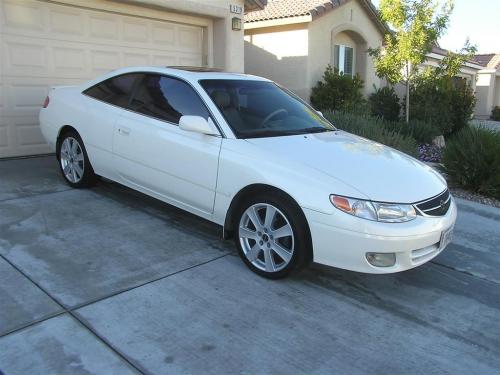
436,206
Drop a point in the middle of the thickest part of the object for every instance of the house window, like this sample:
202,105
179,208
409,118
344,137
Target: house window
343,59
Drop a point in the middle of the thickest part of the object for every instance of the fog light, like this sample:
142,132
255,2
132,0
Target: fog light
381,259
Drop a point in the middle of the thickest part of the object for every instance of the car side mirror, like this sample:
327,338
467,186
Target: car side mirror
197,124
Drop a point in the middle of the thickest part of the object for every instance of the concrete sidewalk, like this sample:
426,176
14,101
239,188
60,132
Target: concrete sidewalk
108,281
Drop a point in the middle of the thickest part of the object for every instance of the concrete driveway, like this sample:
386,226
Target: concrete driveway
109,281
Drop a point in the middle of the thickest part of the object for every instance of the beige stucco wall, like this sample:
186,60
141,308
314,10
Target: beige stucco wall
296,54
496,99
280,54
487,92
350,21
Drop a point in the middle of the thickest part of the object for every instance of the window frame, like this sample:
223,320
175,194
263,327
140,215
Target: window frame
342,52
136,86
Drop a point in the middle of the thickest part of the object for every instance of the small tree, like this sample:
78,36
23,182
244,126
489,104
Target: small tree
440,97
417,25
450,65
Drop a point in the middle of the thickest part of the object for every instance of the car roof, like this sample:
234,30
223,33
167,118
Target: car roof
188,73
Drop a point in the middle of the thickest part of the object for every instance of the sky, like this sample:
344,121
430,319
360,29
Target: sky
477,19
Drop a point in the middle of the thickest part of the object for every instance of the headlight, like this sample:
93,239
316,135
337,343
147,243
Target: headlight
376,211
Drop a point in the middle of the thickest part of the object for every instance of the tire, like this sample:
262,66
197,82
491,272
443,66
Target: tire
74,162
259,222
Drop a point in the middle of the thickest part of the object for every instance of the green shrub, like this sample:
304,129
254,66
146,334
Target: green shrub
495,113
423,132
338,92
372,128
472,160
384,103
443,102
463,102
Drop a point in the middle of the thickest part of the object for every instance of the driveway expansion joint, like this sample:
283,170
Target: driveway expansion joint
74,314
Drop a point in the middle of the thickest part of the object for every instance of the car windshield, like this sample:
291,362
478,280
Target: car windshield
263,109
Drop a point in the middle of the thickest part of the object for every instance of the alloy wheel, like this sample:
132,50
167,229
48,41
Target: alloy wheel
72,160
266,237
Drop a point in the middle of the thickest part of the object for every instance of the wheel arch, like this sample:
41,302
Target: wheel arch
64,129
249,191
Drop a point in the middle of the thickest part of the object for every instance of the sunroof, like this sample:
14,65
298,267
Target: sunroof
196,68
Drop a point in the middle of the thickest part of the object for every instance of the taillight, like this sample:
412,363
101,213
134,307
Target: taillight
46,102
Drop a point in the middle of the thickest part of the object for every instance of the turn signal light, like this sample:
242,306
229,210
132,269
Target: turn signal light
46,102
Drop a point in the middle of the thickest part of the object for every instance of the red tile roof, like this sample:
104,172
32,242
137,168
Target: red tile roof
489,60
287,8
282,9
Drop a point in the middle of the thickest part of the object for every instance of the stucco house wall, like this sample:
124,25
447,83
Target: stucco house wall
488,84
295,51
351,25
280,53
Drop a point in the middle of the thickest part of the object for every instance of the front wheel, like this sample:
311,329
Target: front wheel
74,162
272,236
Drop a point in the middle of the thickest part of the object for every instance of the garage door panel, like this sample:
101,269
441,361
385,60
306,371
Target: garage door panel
103,61
2,97
46,44
136,59
27,99
189,61
103,27
28,133
23,57
164,60
21,136
164,34
66,22
69,61
190,38
135,31
4,140
24,15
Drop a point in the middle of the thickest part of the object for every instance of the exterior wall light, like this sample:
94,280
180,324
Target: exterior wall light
236,23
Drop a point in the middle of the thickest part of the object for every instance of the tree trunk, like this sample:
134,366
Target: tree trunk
407,101
408,71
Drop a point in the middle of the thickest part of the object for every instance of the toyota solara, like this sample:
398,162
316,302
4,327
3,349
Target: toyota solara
249,155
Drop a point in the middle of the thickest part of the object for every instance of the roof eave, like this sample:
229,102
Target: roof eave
277,22
253,5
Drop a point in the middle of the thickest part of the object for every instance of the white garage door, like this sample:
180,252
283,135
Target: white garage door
44,44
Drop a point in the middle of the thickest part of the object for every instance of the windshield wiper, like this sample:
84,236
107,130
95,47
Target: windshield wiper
264,133
277,133
317,129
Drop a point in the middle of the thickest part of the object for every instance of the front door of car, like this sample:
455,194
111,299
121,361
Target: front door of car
153,154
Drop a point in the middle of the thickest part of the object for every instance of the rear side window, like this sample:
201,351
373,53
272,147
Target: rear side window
167,99
114,90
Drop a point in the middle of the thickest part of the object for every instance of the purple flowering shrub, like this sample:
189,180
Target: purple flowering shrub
430,153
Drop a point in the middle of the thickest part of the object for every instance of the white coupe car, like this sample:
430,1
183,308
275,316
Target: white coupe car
249,155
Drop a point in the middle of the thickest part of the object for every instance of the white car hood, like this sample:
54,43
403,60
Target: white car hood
379,172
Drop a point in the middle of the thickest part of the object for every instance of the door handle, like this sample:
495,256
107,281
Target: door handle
124,130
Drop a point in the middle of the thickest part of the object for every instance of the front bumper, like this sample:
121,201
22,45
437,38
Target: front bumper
342,240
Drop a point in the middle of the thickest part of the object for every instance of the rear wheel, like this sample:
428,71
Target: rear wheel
271,236
73,161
